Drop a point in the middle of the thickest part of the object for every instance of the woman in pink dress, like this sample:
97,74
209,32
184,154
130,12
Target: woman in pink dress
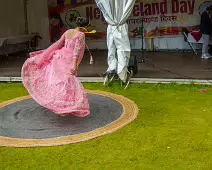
50,75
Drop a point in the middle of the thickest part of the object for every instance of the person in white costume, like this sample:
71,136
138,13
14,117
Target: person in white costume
116,12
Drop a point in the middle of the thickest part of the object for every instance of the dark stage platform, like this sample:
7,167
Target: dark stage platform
168,65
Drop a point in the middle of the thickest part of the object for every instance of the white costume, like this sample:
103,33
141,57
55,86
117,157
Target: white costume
116,13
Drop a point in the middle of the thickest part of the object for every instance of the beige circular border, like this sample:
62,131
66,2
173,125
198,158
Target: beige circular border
130,114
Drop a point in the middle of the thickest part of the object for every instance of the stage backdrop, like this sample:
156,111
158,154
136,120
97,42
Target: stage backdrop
158,18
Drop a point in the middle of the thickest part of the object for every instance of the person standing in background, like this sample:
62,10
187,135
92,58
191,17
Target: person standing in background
206,31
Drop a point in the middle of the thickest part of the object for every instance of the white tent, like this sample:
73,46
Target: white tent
12,19
14,23
116,13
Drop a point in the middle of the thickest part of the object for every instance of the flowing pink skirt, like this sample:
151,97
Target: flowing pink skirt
52,86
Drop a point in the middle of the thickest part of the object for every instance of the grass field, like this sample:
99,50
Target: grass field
173,131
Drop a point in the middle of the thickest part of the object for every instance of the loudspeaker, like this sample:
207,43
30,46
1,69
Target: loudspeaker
210,49
133,64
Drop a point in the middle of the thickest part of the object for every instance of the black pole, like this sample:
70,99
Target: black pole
142,59
142,38
26,16
142,41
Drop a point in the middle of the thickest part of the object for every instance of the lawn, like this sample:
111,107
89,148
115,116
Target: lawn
173,131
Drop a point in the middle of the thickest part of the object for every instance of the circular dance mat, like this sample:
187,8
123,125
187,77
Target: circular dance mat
24,123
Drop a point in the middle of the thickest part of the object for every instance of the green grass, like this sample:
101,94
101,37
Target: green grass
173,131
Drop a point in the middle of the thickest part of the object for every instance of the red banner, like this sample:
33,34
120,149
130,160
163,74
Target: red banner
154,18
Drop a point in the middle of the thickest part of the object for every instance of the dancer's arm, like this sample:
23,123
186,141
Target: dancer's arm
78,47
61,41
46,55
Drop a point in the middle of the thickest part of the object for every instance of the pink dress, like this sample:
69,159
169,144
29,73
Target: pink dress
47,77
